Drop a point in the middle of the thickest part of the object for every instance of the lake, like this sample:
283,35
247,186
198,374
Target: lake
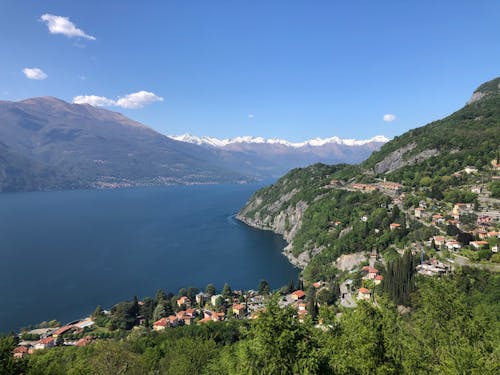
63,253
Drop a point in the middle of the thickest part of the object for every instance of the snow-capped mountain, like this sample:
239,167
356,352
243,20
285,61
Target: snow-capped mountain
273,157
316,142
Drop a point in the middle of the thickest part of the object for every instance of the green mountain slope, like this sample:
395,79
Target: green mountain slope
468,137
322,218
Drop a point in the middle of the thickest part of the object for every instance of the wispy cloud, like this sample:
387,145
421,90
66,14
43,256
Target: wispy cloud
34,73
250,115
62,25
131,101
389,117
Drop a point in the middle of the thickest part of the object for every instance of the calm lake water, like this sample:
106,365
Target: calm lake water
63,253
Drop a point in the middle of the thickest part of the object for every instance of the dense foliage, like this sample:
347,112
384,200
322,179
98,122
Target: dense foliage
453,328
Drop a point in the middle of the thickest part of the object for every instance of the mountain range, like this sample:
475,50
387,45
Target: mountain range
47,143
274,157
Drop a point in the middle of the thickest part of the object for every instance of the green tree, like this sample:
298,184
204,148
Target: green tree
210,290
160,296
8,364
159,312
264,287
227,291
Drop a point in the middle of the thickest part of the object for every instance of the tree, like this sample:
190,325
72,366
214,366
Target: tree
192,292
210,290
226,291
147,308
159,312
399,279
98,312
8,364
264,287
160,296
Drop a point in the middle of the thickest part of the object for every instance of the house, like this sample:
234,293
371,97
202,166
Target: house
63,330
20,351
364,294
239,310
301,314
470,170
392,186
462,208
214,298
438,240
318,284
201,298
432,267
298,294
394,226
453,245
84,323
378,279
184,301
84,341
478,244
364,187
438,219
213,316
484,220
476,189
493,234
419,211
302,306
186,316
48,342
163,323
372,273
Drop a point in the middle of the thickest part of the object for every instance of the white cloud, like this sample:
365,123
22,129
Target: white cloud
62,25
93,100
389,117
138,99
131,101
250,115
34,73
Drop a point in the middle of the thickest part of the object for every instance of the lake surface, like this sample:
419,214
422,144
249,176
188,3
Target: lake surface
64,253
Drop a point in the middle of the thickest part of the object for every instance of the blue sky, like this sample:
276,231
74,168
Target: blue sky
287,69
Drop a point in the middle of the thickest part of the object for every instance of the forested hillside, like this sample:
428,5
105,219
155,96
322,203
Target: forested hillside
453,329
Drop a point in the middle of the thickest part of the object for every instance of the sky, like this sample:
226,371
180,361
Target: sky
273,68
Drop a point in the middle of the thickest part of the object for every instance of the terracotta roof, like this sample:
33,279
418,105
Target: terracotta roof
62,330
46,340
299,293
21,349
395,225
364,291
161,323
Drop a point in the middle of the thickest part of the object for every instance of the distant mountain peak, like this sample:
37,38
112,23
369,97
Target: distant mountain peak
316,142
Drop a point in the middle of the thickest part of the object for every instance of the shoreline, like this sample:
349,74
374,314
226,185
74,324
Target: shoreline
286,251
